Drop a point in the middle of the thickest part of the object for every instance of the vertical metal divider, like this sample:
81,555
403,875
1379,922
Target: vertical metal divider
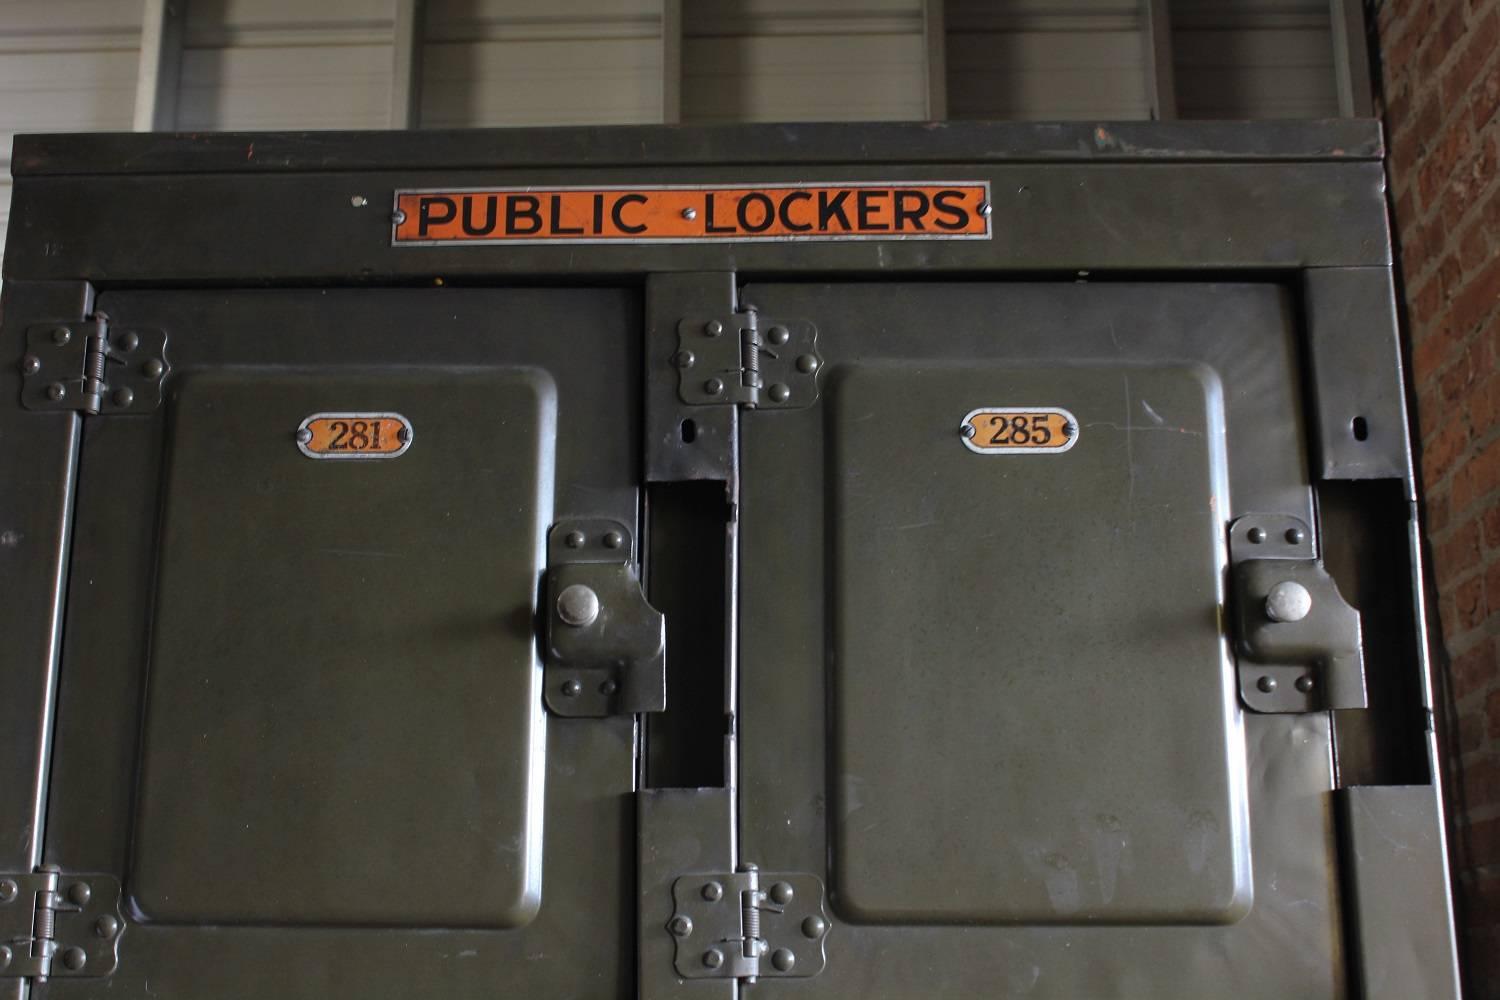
406,63
1161,85
671,61
935,57
160,68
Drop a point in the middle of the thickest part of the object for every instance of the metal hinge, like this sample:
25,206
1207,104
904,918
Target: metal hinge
606,646
90,367
744,359
748,924
1300,644
59,924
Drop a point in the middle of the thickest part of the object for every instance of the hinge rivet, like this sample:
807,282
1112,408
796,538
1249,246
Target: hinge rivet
1256,535
4,956
781,893
713,958
1266,684
1304,683
74,958
79,893
31,364
613,540
61,335
713,892
578,605
713,328
1294,536
783,959
683,359
807,364
572,688
56,391
153,368
680,926
778,335
106,927
124,397
128,341
780,393
813,927
574,540
608,687
8,890
1288,601
713,387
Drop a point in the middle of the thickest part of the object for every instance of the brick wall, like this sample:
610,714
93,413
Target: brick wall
1440,68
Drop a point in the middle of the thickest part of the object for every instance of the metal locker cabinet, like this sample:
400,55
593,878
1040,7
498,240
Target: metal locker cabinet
749,602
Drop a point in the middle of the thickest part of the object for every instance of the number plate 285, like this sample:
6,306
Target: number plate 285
1013,430
354,436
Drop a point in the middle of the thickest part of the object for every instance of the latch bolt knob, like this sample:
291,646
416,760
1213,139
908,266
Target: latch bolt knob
1288,601
578,605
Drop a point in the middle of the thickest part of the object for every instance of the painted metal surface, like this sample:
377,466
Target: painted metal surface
990,701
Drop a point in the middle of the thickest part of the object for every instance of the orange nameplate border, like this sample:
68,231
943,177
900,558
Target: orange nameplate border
917,210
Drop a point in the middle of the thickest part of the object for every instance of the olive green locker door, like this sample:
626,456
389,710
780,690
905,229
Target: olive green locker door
986,691
301,714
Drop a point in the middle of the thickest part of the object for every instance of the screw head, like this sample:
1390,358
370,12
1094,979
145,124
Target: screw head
778,335
1305,683
106,927
813,927
713,958
74,958
79,893
153,368
1256,535
56,391
4,956
967,430
713,328
574,540
304,435
572,689
1288,601
781,893
783,959
31,364
713,891
680,926
684,359
123,396
358,201
986,209
613,540
128,341
713,387
403,434
8,890
807,364
1266,684
1294,536
690,214
780,393
61,335
578,605
398,217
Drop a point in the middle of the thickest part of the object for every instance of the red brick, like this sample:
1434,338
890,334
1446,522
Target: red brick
1473,242
1486,98
1492,587
1437,46
1475,669
1476,50
1491,524
1454,381
1472,610
1483,843
1441,454
1481,783
1468,180
1471,734
1477,298
1436,508
1461,552
1476,477
1453,147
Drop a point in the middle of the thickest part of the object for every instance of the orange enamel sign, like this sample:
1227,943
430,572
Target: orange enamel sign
354,435
924,210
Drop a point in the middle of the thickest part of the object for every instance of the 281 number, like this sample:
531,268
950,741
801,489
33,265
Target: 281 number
355,435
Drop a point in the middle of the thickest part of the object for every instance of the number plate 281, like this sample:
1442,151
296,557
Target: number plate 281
1012,430
354,435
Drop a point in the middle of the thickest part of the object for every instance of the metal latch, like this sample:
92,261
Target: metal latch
742,358
1299,643
90,367
606,646
58,924
748,924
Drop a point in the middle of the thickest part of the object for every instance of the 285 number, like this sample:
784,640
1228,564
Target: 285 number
1020,429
